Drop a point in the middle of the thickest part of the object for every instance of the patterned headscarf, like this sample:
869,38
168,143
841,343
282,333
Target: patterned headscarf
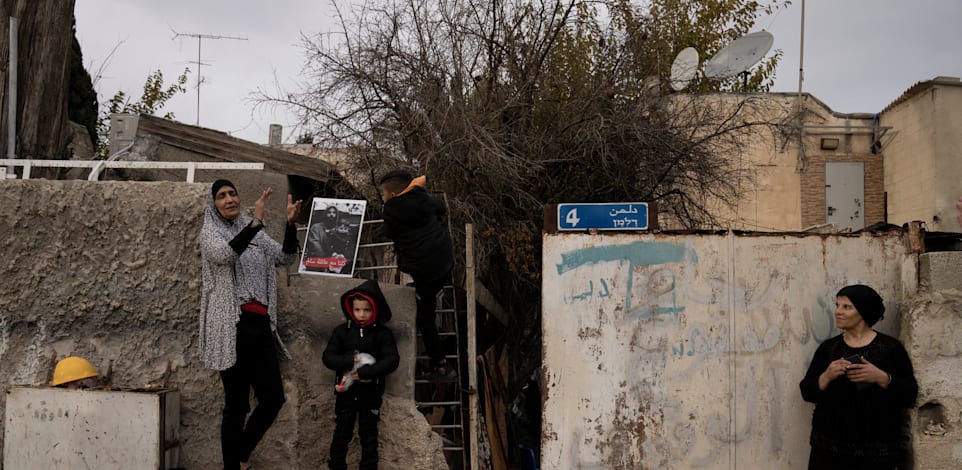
224,282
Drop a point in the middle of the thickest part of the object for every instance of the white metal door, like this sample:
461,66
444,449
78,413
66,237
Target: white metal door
845,194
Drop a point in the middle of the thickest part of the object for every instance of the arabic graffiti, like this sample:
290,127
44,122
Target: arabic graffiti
708,335
603,292
637,254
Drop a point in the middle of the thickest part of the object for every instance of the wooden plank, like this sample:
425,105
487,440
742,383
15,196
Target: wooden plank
472,347
487,300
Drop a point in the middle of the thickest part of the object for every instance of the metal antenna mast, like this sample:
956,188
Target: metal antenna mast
200,38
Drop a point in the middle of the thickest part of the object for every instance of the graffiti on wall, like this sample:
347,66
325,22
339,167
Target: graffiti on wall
708,341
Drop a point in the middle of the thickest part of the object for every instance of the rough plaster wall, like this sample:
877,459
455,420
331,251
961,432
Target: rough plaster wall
685,351
249,183
110,271
930,325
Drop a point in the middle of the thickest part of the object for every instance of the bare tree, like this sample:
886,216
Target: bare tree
507,105
45,35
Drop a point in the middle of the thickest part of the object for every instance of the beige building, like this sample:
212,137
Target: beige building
853,170
923,168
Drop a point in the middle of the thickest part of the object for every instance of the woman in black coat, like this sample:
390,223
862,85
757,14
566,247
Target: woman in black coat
861,382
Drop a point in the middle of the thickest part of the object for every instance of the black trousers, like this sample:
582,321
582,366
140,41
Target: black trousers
360,403
256,368
426,291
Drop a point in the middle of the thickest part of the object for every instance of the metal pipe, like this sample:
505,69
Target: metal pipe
95,172
801,57
847,127
865,132
198,80
12,95
801,78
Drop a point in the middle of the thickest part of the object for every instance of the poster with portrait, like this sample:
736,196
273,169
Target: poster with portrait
333,234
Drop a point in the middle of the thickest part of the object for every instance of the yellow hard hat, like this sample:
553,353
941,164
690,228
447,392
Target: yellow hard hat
72,368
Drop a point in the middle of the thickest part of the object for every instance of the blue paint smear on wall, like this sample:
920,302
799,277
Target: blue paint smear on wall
637,253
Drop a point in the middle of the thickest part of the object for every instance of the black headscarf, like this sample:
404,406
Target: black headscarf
866,301
220,184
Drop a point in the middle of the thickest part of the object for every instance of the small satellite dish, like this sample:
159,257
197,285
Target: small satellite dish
740,55
683,68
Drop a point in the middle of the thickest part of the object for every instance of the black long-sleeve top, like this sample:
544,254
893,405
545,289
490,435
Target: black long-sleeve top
245,236
861,420
412,222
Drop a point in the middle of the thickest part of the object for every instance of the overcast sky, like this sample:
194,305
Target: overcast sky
860,55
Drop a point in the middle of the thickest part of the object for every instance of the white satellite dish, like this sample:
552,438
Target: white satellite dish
740,55
683,68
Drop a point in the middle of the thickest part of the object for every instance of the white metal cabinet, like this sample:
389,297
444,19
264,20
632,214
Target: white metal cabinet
55,428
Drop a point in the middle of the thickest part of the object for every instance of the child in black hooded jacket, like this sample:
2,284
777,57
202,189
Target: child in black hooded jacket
366,312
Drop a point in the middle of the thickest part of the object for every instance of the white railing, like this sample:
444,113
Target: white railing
97,165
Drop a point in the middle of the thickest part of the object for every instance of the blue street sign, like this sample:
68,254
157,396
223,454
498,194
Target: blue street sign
603,216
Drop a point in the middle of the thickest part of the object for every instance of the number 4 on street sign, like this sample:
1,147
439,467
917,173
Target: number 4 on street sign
603,216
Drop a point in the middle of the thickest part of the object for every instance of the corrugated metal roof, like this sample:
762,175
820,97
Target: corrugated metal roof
221,146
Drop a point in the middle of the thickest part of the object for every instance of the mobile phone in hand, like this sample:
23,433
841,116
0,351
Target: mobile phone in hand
854,359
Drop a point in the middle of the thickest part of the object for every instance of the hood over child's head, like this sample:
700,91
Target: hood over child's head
365,304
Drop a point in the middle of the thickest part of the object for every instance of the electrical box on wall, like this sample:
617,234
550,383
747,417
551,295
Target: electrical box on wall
60,428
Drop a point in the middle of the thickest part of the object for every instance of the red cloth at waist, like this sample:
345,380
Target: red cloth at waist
255,307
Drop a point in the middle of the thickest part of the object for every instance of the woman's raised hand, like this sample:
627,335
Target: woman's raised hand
259,204
293,208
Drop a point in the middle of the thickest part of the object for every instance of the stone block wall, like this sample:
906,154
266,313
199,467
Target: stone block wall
110,271
930,332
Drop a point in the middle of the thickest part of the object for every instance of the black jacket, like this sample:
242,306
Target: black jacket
412,222
375,339
858,419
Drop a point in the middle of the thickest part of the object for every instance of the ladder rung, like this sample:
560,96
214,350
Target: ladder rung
437,403
453,449
445,381
443,333
444,310
372,268
445,426
448,356
373,245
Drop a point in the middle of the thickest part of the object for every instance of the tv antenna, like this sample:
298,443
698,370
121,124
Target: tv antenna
200,38
739,55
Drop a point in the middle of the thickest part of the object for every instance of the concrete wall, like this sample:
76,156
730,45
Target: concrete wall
922,160
679,352
930,325
110,271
